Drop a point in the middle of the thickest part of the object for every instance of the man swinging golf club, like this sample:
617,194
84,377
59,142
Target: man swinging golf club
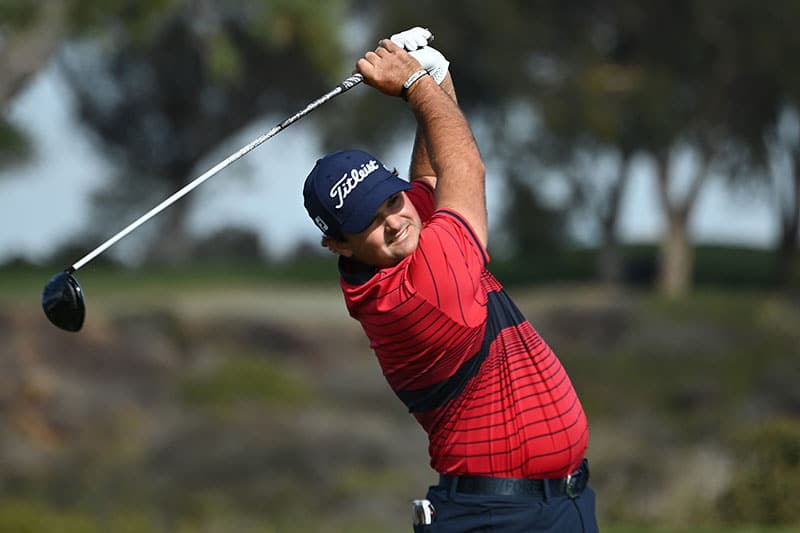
507,433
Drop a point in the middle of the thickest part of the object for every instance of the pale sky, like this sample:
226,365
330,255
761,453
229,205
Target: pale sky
44,203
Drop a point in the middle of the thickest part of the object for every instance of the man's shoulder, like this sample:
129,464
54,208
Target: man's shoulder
461,236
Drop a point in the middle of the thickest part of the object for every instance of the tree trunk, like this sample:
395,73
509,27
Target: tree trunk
788,259
676,262
788,266
172,244
676,258
610,261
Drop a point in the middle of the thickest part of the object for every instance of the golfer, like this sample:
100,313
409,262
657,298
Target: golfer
507,433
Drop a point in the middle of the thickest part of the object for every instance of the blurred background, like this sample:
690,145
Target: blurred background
644,192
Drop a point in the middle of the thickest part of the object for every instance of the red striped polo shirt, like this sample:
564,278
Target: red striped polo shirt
490,393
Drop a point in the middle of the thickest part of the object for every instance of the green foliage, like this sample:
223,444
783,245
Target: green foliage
17,13
768,475
535,229
228,245
224,60
24,516
142,19
716,266
246,380
313,24
733,266
597,79
568,265
189,75
14,145
616,77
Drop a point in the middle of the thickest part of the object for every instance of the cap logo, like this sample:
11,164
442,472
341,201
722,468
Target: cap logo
342,188
321,224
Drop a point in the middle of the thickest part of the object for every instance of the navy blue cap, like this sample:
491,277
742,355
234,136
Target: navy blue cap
345,189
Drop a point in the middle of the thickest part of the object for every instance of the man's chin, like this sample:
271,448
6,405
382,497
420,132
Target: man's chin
398,255
408,244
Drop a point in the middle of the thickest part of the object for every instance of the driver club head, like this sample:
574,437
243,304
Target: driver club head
62,301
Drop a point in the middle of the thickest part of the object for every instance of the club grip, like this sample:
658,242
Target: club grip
351,82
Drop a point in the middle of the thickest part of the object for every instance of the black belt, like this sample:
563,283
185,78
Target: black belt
571,486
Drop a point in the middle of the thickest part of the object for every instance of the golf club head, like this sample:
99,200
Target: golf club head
62,301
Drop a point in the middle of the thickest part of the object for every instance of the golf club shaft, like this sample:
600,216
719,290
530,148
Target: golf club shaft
346,84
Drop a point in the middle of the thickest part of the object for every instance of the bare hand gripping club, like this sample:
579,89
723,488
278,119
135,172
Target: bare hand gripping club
62,298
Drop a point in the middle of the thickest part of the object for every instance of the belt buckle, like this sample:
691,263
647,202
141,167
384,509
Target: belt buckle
575,482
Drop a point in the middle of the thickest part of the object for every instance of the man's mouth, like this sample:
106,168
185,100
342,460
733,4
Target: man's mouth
401,235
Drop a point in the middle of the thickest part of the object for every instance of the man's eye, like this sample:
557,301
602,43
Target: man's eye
393,199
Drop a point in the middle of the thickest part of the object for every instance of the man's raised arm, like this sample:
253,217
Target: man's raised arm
450,146
420,162
452,152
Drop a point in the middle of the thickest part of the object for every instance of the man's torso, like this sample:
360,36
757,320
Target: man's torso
491,394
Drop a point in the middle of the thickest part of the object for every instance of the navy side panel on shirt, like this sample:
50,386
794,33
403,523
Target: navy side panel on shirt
502,313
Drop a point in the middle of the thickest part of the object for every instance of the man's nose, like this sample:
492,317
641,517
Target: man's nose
393,222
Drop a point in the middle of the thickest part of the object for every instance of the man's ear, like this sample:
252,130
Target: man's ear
336,246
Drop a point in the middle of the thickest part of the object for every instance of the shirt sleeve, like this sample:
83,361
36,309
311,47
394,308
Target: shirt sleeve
447,267
422,198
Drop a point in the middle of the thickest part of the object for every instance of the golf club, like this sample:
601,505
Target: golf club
62,298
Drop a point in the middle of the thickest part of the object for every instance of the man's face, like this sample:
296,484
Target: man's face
392,235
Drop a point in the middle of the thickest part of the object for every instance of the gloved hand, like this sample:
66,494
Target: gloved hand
412,39
415,41
433,61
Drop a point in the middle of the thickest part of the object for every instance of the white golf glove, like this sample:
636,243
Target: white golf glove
412,39
433,61
415,41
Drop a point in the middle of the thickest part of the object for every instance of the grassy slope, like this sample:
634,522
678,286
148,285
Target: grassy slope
667,386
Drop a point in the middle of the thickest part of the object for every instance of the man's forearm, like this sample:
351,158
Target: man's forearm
451,152
420,161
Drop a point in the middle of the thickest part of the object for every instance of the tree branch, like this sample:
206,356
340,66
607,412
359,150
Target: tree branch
27,51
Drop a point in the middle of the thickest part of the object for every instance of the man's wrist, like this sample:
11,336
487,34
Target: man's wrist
414,78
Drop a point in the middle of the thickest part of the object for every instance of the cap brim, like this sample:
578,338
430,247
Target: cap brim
360,219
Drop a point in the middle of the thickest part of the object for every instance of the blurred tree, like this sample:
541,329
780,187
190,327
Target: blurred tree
773,165
678,83
763,44
537,229
484,43
165,82
162,82
592,97
588,135
783,147
229,244
30,32
613,80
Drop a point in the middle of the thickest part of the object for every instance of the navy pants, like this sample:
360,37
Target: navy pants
463,513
